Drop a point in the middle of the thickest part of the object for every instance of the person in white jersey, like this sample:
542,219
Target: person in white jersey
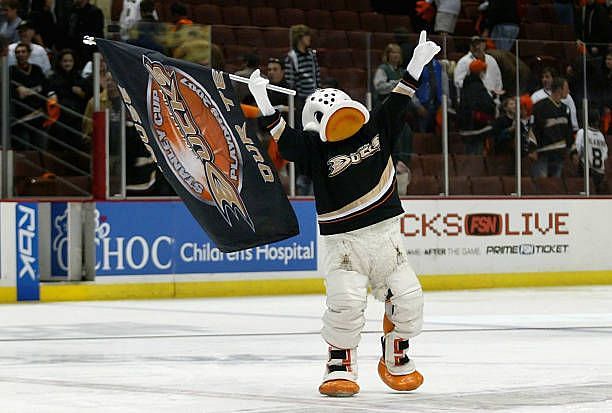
598,150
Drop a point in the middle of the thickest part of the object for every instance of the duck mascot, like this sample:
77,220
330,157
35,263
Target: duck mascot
348,151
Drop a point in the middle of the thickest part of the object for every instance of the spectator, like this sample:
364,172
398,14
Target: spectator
276,76
389,73
147,32
503,22
447,12
38,54
130,15
492,77
548,73
565,11
29,89
402,38
70,89
8,28
598,150
552,130
302,75
178,13
429,95
504,127
594,27
85,19
476,109
302,68
44,23
250,63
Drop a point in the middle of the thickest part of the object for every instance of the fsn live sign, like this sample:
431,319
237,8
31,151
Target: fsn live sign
484,224
28,275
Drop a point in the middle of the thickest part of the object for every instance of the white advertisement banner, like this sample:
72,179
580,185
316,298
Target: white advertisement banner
475,236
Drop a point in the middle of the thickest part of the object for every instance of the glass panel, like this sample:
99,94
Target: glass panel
51,155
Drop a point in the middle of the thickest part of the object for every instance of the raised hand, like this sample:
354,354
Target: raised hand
423,53
257,87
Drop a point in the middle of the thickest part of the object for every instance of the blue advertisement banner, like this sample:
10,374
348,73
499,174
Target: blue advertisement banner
135,238
28,274
59,239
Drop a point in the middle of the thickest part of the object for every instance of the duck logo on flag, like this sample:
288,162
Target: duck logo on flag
189,119
196,140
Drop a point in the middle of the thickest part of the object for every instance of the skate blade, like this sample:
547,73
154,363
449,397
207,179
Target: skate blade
406,382
339,388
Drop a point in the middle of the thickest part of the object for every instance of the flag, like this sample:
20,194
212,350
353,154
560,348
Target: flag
188,117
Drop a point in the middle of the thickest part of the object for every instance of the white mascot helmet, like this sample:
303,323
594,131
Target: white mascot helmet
333,114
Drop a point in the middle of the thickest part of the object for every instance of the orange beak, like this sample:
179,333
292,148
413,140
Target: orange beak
344,123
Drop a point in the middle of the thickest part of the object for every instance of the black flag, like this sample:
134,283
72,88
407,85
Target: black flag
189,119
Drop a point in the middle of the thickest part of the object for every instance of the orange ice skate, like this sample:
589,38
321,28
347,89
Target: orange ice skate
340,373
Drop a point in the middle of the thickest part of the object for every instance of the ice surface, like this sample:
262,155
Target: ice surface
521,350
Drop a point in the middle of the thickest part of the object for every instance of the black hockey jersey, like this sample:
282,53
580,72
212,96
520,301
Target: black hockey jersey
353,179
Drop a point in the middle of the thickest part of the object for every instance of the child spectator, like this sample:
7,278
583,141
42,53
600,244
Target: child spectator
598,150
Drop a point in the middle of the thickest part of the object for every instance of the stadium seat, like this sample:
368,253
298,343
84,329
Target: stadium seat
357,39
264,17
527,185
395,21
332,39
361,5
550,186
207,14
500,165
290,17
333,5
548,14
381,40
457,185
236,16
250,36
372,22
360,58
280,4
308,4
423,143
234,53
352,78
469,165
534,14
416,167
562,32
465,27
575,186
423,185
277,37
433,164
487,185
319,19
539,31
469,10
346,20
222,35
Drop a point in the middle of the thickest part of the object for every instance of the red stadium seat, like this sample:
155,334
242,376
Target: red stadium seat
361,5
223,35
346,20
465,27
357,40
563,32
487,185
372,22
319,19
550,186
277,37
395,21
236,16
457,185
308,4
207,14
290,17
416,167
332,39
264,16
469,165
500,165
250,36
575,186
381,40
527,185
335,5
280,4
434,165
423,143
423,185
537,31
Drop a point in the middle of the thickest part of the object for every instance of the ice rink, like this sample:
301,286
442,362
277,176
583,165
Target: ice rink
521,350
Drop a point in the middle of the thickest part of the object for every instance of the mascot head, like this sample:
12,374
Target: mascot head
333,115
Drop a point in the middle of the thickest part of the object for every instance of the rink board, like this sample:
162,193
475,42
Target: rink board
156,250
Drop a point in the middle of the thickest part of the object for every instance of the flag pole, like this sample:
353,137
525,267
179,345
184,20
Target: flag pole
90,40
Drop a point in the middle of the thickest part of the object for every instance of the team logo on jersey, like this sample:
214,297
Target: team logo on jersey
196,140
341,163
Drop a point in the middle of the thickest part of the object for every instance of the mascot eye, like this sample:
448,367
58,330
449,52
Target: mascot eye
318,116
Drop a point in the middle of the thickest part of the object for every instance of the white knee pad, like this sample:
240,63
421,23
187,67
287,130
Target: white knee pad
406,309
346,302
